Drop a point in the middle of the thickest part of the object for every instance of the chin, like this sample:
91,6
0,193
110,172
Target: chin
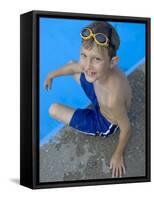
90,79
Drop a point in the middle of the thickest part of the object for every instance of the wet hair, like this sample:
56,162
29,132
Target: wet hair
107,29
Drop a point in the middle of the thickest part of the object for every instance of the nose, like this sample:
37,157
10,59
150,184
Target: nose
88,64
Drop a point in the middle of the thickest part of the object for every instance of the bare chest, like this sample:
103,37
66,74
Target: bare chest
103,97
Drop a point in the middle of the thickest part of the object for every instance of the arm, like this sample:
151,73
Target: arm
116,163
71,68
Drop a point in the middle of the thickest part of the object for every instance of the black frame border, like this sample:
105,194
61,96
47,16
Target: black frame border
29,67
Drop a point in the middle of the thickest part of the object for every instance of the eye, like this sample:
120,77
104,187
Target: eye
97,59
83,55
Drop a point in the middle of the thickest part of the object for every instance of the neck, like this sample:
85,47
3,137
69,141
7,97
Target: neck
104,78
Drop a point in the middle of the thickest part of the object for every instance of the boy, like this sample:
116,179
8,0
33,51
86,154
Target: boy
106,87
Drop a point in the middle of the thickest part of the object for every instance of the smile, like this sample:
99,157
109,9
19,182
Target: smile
90,73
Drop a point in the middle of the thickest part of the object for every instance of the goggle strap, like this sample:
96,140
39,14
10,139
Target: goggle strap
109,37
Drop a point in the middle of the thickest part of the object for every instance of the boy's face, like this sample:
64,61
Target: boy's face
94,63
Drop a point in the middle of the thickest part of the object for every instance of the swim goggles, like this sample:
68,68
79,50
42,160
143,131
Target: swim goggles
99,38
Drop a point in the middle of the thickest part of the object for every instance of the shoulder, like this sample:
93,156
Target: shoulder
117,76
120,93
118,82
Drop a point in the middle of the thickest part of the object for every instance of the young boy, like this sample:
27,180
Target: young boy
104,84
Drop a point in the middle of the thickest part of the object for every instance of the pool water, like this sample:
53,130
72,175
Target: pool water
59,43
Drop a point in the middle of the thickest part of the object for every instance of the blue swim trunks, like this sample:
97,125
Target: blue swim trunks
91,121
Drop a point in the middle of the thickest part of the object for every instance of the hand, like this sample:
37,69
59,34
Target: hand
48,82
117,165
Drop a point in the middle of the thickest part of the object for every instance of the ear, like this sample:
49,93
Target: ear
114,61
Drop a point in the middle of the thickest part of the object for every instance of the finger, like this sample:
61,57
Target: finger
116,172
124,169
120,172
46,87
113,172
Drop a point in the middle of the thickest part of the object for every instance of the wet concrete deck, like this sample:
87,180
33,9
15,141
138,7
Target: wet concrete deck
75,156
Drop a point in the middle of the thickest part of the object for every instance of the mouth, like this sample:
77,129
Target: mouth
90,73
